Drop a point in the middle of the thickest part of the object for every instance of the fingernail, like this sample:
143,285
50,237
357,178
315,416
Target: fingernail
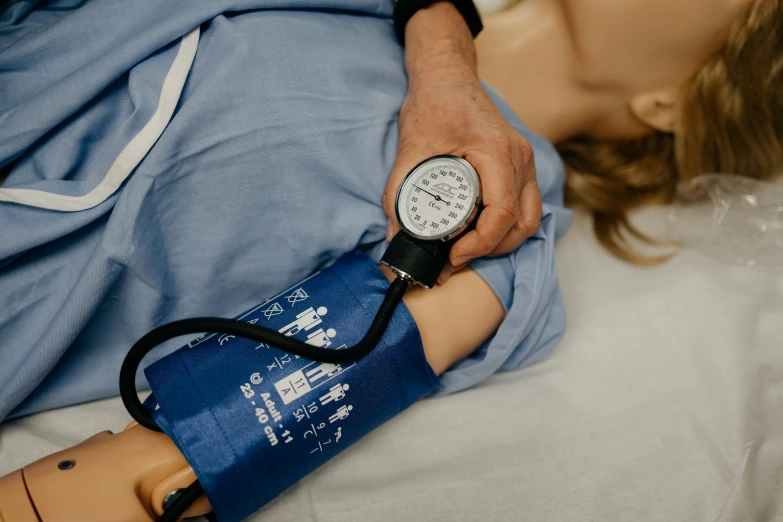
389,230
461,260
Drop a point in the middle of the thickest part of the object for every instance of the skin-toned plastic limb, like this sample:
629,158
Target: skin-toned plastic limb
121,477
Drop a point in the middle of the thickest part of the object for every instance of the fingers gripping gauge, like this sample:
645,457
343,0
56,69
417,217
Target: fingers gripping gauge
436,202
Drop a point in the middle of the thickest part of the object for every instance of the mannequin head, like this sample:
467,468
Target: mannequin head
644,93
632,58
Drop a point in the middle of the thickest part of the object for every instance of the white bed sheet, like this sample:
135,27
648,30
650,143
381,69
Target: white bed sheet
663,403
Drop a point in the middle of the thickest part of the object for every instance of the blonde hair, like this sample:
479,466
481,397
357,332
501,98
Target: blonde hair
731,121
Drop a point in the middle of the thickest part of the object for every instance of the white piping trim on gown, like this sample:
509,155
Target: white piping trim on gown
133,152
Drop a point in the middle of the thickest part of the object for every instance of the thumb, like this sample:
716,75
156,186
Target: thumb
407,158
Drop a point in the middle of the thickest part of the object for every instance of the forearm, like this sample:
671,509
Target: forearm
453,318
436,36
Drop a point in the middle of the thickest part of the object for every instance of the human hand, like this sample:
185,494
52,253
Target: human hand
447,111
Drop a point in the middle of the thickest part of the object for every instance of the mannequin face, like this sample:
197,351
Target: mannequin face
644,51
611,69
646,44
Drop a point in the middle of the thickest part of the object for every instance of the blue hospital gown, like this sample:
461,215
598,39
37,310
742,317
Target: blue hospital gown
271,163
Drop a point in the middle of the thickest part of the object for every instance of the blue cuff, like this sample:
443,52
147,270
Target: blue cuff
252,420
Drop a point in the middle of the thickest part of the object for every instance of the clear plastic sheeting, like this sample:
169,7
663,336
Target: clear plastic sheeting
734,219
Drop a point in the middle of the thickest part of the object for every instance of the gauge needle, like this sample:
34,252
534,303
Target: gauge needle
437,198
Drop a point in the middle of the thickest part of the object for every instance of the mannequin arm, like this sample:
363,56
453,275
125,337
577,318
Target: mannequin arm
125,477
454,318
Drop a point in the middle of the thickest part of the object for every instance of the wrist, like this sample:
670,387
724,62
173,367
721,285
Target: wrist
437,37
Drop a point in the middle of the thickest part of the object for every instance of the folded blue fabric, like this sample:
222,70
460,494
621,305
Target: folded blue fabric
271,166
252,420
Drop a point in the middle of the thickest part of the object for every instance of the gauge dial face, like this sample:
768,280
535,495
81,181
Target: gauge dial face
437,199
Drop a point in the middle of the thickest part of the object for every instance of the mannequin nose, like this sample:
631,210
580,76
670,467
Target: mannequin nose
15,503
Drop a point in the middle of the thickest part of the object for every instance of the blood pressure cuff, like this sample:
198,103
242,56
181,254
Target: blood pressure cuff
252,420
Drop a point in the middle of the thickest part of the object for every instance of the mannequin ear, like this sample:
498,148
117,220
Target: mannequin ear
657,109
